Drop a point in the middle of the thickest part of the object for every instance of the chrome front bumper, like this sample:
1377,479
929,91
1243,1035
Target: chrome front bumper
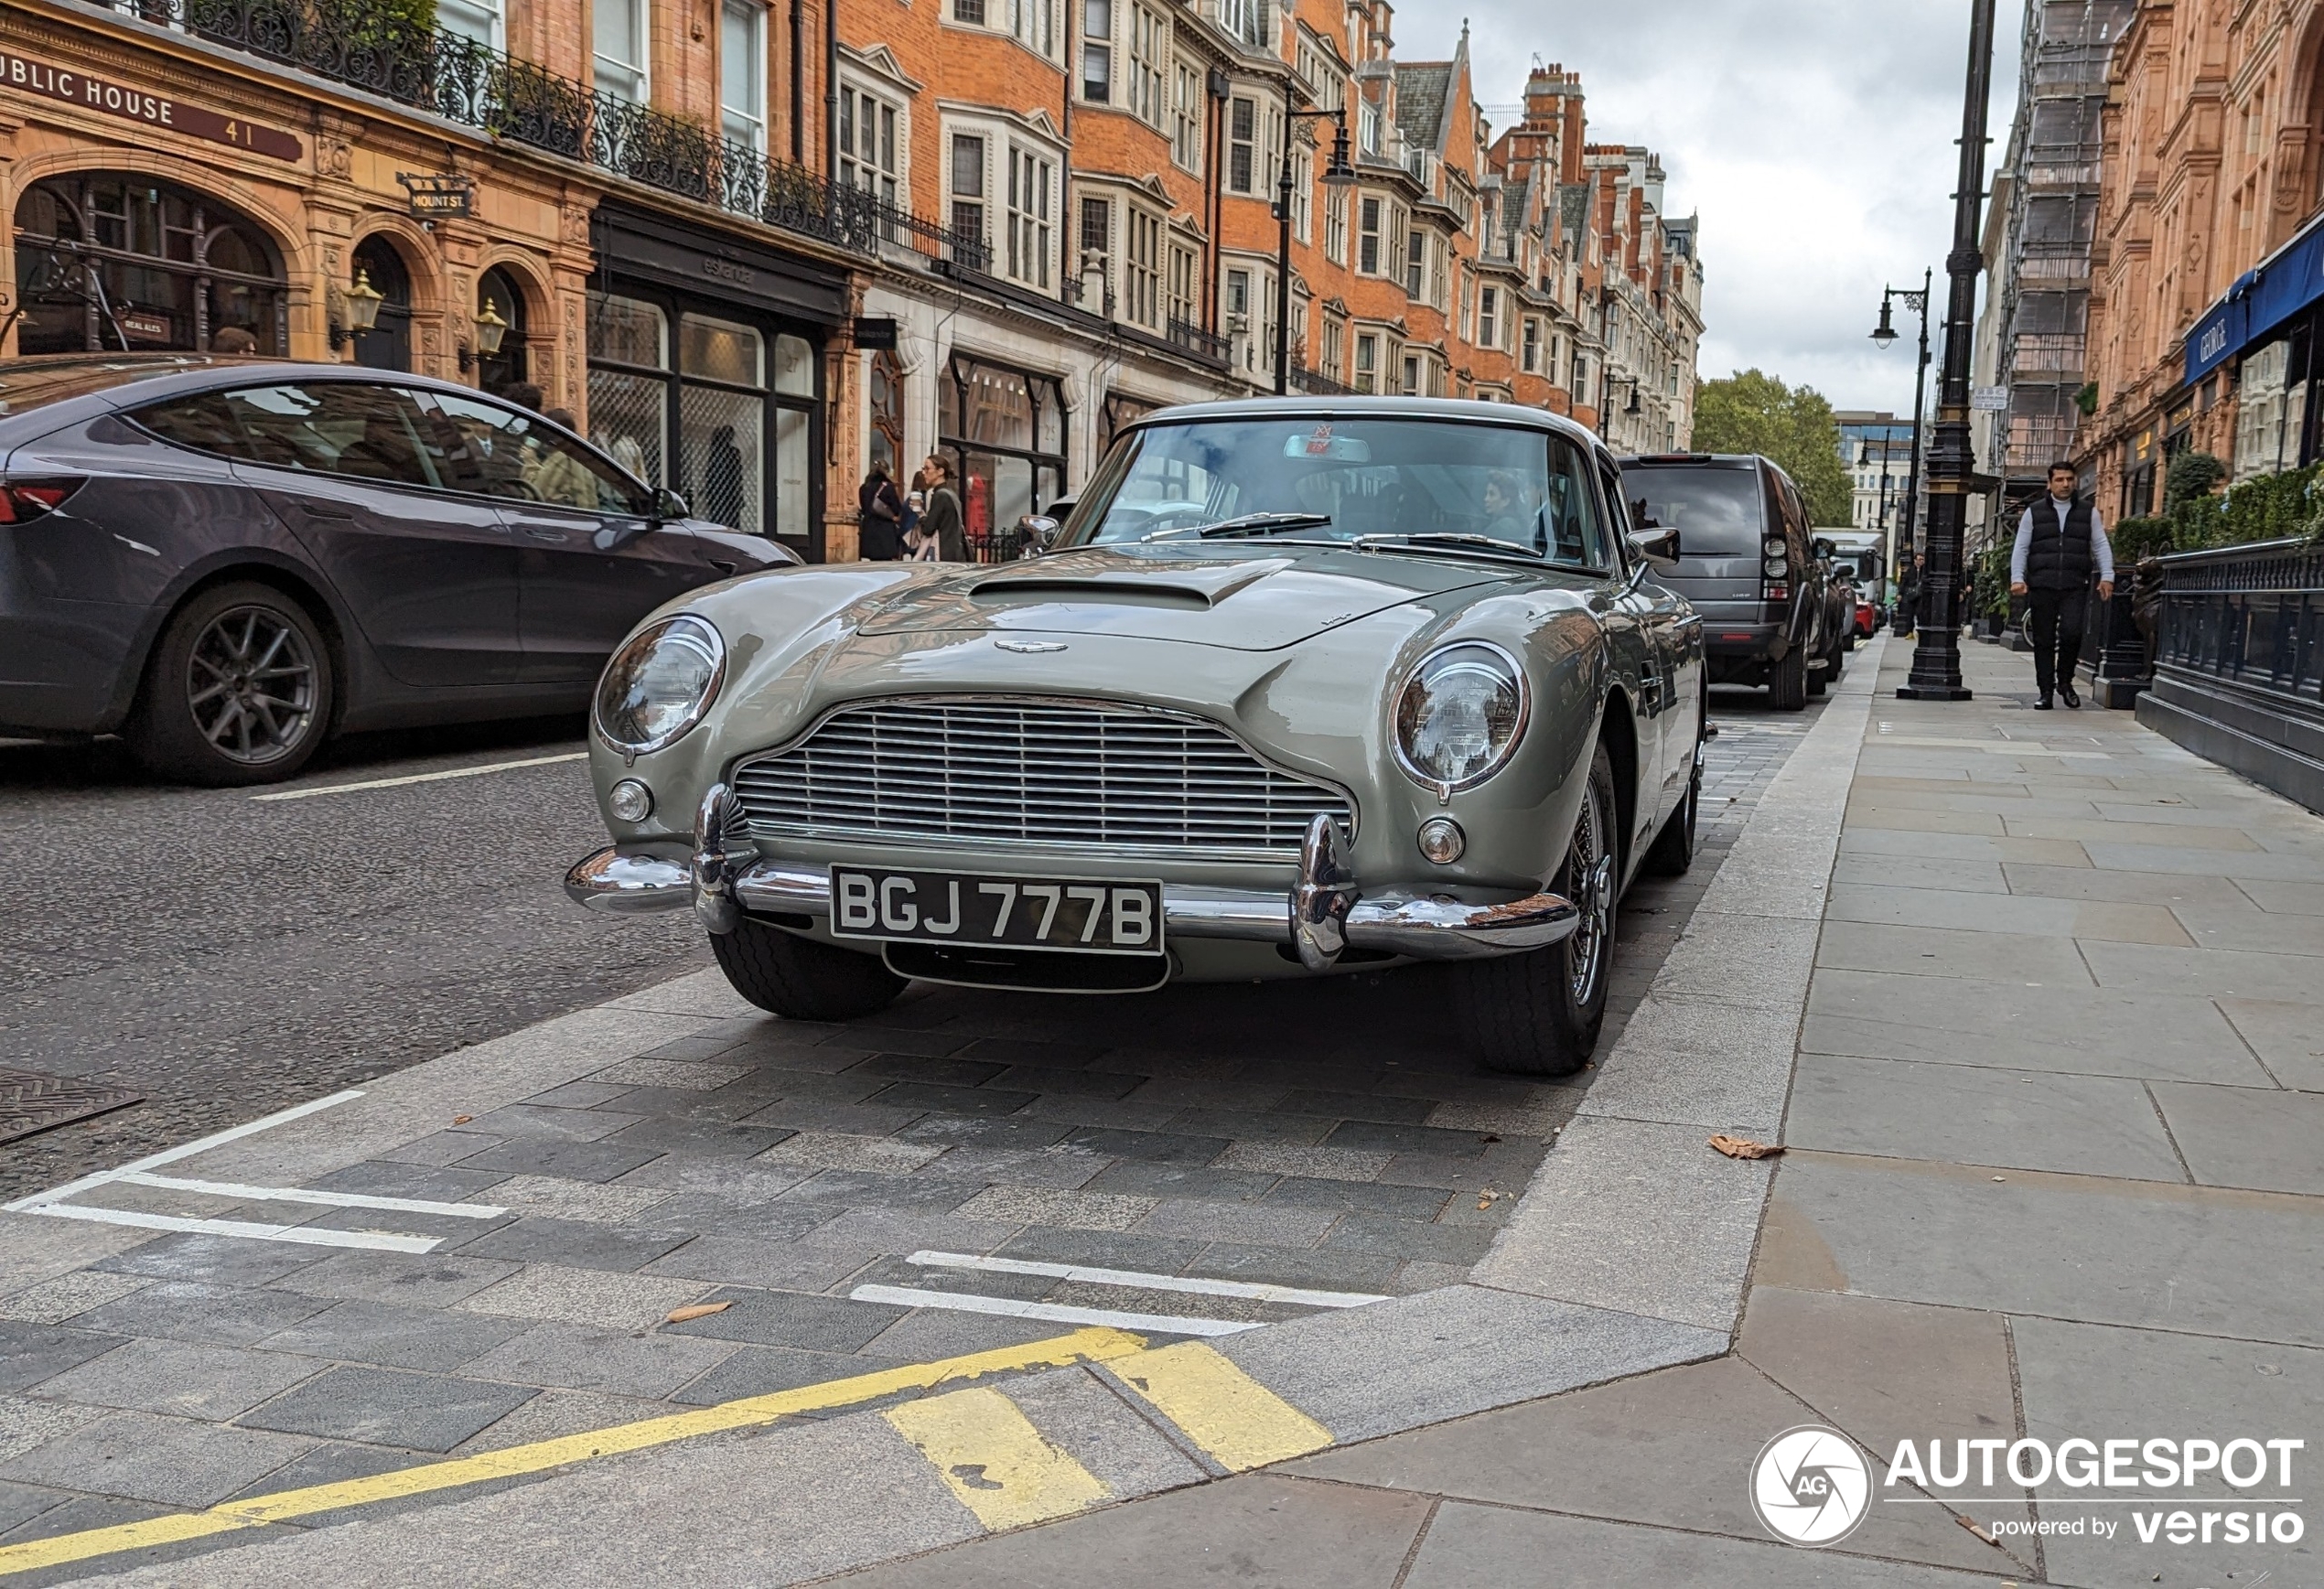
1323,914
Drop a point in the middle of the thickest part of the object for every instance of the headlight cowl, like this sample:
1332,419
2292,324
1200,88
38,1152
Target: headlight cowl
1459,715
659,684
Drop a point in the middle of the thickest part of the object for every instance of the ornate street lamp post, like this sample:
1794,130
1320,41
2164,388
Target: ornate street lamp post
1883,334
1936,655
1338,174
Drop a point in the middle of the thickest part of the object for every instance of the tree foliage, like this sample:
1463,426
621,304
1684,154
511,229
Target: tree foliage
1755,412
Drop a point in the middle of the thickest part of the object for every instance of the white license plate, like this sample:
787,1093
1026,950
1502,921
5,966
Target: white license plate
1088,916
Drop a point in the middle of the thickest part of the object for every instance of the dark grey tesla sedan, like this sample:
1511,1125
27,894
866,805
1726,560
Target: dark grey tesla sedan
227,561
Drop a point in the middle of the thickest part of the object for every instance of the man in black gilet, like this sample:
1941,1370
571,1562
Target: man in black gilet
2060,543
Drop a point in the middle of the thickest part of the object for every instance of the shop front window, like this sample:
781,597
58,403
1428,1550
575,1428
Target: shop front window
1003,432
629,383
129,264
722,421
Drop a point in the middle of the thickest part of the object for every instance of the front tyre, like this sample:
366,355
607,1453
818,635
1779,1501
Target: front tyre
1538,1014
799,978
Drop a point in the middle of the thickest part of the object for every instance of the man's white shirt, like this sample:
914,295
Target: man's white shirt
2100,547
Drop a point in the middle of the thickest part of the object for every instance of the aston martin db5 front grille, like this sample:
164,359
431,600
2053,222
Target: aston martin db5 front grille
1057,774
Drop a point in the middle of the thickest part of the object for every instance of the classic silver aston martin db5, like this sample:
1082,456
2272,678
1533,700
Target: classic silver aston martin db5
1300,685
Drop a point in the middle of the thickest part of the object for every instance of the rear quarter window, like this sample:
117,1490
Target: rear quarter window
1718,512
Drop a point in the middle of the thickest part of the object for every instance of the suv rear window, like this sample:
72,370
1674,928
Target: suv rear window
1718,511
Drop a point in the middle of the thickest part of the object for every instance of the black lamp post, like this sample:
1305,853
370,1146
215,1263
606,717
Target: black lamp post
1884,334
1338,174
1606,399
1936,656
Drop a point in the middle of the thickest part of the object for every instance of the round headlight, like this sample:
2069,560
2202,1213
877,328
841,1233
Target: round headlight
1460,714
659,684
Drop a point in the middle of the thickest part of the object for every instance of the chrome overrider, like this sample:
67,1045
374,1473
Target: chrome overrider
724,877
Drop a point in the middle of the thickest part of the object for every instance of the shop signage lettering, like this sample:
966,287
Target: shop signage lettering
145,325
727,270
78,88
438,197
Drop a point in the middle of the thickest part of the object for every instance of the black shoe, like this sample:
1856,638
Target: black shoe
2072,700
2042,704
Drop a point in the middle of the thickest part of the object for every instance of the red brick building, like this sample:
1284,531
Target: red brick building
701,220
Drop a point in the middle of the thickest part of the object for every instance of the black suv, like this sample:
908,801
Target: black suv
1748,562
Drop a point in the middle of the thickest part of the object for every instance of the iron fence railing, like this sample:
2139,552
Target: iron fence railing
2251,614
447,74
1195,339
1316,383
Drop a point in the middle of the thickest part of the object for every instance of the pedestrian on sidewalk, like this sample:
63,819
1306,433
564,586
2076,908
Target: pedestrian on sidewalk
2061,541
940,526
1908,611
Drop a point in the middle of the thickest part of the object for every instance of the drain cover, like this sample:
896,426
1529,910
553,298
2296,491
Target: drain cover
30,1102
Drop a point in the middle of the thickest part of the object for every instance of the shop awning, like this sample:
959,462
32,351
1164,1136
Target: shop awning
2262,299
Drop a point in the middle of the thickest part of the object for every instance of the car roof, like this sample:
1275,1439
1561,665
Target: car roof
1308,406
1683,460
153,376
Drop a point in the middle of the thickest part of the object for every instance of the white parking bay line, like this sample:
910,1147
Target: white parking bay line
965,1302
304,1235
301,1195
184,1149
1257,1290
332,789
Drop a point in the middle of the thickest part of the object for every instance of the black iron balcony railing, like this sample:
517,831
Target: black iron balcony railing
450,75
1195,339
1316,383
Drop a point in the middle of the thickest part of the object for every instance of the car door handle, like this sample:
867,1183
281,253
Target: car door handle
540,534
325,511
724,566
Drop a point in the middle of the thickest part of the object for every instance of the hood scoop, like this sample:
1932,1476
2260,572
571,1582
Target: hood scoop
1000,594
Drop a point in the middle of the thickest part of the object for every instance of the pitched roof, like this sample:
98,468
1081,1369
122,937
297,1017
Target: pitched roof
1421,91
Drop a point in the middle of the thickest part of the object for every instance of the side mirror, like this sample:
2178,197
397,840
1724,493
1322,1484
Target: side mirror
668,504
1035,532
1658,546
1825,549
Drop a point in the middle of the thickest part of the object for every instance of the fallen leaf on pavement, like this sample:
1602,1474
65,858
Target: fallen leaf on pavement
1743,1147
462,1119
1973,1527
699,1310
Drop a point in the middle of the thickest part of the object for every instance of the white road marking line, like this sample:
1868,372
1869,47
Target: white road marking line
299,1233
301,1195
964,1301
1258,1290
182,1150
332,789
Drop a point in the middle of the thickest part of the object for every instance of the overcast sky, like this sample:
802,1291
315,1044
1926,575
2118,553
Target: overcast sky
1815,137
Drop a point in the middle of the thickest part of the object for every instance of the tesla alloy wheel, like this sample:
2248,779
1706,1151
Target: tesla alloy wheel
239,691
1538,1014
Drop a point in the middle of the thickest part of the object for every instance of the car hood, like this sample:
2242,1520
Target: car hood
1244,599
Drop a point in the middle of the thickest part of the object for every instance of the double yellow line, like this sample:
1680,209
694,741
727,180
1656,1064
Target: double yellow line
983,1447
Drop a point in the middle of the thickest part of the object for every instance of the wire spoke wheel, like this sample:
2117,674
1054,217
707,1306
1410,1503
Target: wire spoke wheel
1590,867
251,685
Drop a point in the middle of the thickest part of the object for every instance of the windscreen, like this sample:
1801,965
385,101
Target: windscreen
1303,478
1718,512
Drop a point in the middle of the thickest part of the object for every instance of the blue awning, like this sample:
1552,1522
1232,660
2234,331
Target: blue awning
2262,299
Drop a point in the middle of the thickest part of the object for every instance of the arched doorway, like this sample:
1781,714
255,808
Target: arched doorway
511,366
108,261
388,344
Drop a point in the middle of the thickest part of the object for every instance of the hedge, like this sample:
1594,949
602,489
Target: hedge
2265,508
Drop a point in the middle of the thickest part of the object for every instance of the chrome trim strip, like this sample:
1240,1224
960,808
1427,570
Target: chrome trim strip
1432,929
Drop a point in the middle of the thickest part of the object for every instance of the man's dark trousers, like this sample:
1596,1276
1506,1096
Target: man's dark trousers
2055,617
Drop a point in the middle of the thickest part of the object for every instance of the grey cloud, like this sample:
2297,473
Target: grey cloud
1815,137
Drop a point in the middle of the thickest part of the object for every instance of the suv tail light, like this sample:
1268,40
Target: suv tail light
23,501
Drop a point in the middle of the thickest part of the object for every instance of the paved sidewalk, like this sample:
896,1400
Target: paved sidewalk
2053,1171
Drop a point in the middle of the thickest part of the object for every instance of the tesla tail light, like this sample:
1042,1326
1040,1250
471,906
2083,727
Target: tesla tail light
23,501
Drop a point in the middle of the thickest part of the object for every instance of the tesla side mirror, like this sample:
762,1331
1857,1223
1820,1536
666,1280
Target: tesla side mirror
1658,546
1035,532
668,504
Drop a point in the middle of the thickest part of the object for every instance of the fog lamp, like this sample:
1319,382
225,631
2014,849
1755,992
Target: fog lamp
630,801
1442,841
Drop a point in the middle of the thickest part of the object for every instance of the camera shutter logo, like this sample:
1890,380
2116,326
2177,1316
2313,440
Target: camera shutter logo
1811,1485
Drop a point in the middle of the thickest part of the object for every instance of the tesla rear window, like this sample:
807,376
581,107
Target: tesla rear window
1717,511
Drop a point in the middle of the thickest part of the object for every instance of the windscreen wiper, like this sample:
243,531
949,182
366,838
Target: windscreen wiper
1449,540
1248,524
